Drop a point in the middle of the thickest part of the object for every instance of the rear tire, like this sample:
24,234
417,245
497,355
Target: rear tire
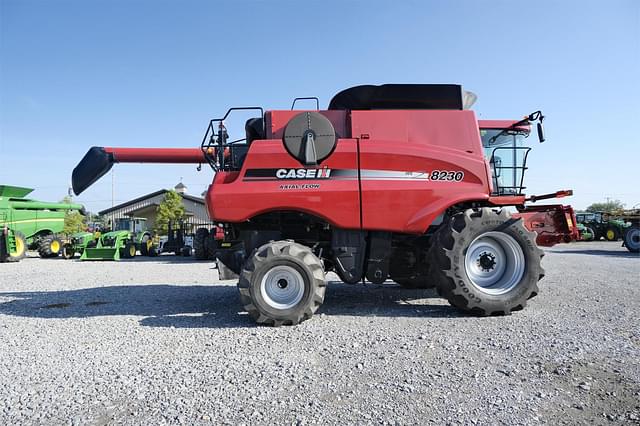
49,246
145,245
282,283
487,263
632,239
211,245
199,244
68,252
612,234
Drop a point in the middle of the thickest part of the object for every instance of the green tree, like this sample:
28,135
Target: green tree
171,208
606,206
73,220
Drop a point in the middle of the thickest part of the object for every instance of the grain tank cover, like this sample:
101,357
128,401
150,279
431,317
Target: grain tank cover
14,191
399,96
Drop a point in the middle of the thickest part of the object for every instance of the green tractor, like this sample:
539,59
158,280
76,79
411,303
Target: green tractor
603,225
129,236
78,242
586,233
34,225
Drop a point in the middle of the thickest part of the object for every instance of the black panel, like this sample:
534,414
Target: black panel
254,128
349,250
399,96
377,269
95,164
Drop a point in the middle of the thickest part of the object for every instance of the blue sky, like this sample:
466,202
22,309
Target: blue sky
74,74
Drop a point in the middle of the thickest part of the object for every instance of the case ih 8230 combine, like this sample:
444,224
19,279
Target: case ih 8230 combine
392,181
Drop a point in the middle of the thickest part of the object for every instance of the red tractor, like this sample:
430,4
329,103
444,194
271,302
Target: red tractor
395,182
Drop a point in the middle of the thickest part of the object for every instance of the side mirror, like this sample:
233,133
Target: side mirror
540,132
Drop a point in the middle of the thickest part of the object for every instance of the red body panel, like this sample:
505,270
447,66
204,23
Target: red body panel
417,141
233,199
391,145
381,178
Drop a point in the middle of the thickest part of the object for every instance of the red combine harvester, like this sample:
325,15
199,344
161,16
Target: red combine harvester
394,181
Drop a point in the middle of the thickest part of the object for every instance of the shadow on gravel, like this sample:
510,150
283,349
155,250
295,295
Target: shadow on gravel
215,306
610,253
166,259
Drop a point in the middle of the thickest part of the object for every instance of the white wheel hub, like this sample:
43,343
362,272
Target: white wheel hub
282,287
494,263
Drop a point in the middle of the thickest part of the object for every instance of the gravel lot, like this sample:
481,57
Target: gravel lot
162,341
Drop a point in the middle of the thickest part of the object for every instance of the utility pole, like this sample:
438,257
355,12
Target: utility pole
112,189
113,215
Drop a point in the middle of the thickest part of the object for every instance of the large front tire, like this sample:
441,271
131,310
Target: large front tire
128,251
487,263
21,247
282,283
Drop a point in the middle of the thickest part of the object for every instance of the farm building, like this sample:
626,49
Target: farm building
146,205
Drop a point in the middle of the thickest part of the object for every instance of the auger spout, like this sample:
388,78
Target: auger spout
99,160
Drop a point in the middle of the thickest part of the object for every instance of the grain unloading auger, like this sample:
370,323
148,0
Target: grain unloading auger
392,181
99,160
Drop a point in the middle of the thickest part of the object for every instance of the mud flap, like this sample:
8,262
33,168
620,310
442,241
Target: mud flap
231,254
378,256
349,250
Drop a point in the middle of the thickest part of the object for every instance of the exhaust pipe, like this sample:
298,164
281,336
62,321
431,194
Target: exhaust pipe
98,161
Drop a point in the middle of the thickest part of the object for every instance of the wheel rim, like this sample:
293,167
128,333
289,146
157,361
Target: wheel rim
494,263
282,287
610,235
55,246
633,239
132,251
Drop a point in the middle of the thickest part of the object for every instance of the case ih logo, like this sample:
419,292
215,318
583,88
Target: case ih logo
303,173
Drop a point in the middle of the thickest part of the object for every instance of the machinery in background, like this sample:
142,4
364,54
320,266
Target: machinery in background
603,224
35,225
179,239
78,242
586,233
129,236
631,237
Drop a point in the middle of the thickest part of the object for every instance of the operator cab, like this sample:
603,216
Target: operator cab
134,224
504,149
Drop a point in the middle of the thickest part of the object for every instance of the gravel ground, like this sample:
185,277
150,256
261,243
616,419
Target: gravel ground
162,341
